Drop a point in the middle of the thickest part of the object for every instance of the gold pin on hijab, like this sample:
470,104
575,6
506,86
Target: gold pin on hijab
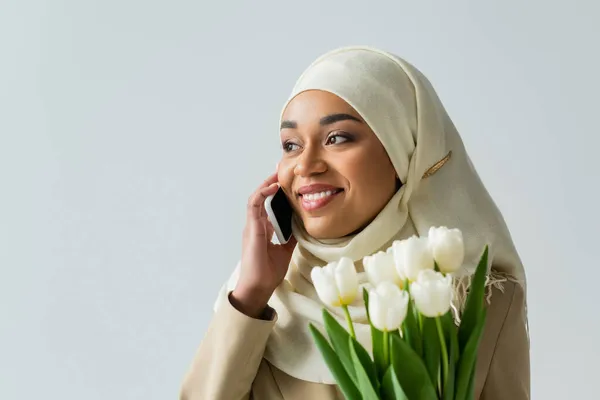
436,167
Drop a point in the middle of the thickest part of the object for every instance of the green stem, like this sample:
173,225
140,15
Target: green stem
438,323
349,320
386,348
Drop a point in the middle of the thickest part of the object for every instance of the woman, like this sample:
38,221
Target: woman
369,156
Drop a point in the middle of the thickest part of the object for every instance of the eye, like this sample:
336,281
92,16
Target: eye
338,138
289,146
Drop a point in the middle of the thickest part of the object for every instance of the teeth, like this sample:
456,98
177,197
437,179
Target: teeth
317,196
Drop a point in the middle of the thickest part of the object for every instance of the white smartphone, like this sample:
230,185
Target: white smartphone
280,212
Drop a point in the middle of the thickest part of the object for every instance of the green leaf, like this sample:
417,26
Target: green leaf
339,338
451,332
431,348
452,341
366,361
411,372
470,392
410,329
367,382
338,371
391,388
377,339
468,361
474,302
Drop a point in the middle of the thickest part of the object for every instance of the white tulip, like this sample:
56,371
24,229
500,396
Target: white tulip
387,306
412,256
336,283
380,267
447,247
432,293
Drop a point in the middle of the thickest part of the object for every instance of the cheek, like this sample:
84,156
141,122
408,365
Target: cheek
285,176
369,176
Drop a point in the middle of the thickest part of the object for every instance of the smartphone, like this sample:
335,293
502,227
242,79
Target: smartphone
280,212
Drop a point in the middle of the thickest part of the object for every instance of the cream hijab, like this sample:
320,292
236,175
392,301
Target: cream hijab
440,188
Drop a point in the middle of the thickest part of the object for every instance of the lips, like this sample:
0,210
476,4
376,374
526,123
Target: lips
320,195
316,188
314,197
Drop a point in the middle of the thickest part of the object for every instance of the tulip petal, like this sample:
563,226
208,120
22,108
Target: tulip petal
377,311
325,286
377,338
412,256
447,248
380,267
397,310
346,279
432,293
387,306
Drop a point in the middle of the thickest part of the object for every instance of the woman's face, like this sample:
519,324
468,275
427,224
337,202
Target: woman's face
334,169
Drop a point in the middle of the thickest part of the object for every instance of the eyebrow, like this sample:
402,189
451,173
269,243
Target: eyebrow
327,120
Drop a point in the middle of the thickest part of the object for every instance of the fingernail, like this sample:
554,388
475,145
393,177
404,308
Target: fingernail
277,167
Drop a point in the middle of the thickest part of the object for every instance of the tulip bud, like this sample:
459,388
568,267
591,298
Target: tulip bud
387,306
336,283
432,293
447,247
412,256
380,267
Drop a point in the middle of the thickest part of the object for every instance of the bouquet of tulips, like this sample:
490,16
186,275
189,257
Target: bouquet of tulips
418,352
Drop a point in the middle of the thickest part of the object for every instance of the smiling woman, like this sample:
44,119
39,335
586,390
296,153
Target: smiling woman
369,156
334,170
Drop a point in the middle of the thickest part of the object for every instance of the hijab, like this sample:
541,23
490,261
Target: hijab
440,188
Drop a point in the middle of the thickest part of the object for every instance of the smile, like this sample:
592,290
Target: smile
317,200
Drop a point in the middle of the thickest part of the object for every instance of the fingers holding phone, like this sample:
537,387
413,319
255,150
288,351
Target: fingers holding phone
264,264
256,211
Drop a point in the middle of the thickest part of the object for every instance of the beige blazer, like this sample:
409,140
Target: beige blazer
229,363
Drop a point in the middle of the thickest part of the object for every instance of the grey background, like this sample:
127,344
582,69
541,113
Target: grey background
123,124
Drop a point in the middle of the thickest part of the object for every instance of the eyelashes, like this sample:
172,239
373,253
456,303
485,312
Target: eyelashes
336,138
287,146
340,137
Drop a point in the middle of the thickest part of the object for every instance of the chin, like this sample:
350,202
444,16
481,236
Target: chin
327,228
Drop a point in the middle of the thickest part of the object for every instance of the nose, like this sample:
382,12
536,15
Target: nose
310,163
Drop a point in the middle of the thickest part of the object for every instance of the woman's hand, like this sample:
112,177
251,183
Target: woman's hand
264,264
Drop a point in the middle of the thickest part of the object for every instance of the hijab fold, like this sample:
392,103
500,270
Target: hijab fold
440,188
